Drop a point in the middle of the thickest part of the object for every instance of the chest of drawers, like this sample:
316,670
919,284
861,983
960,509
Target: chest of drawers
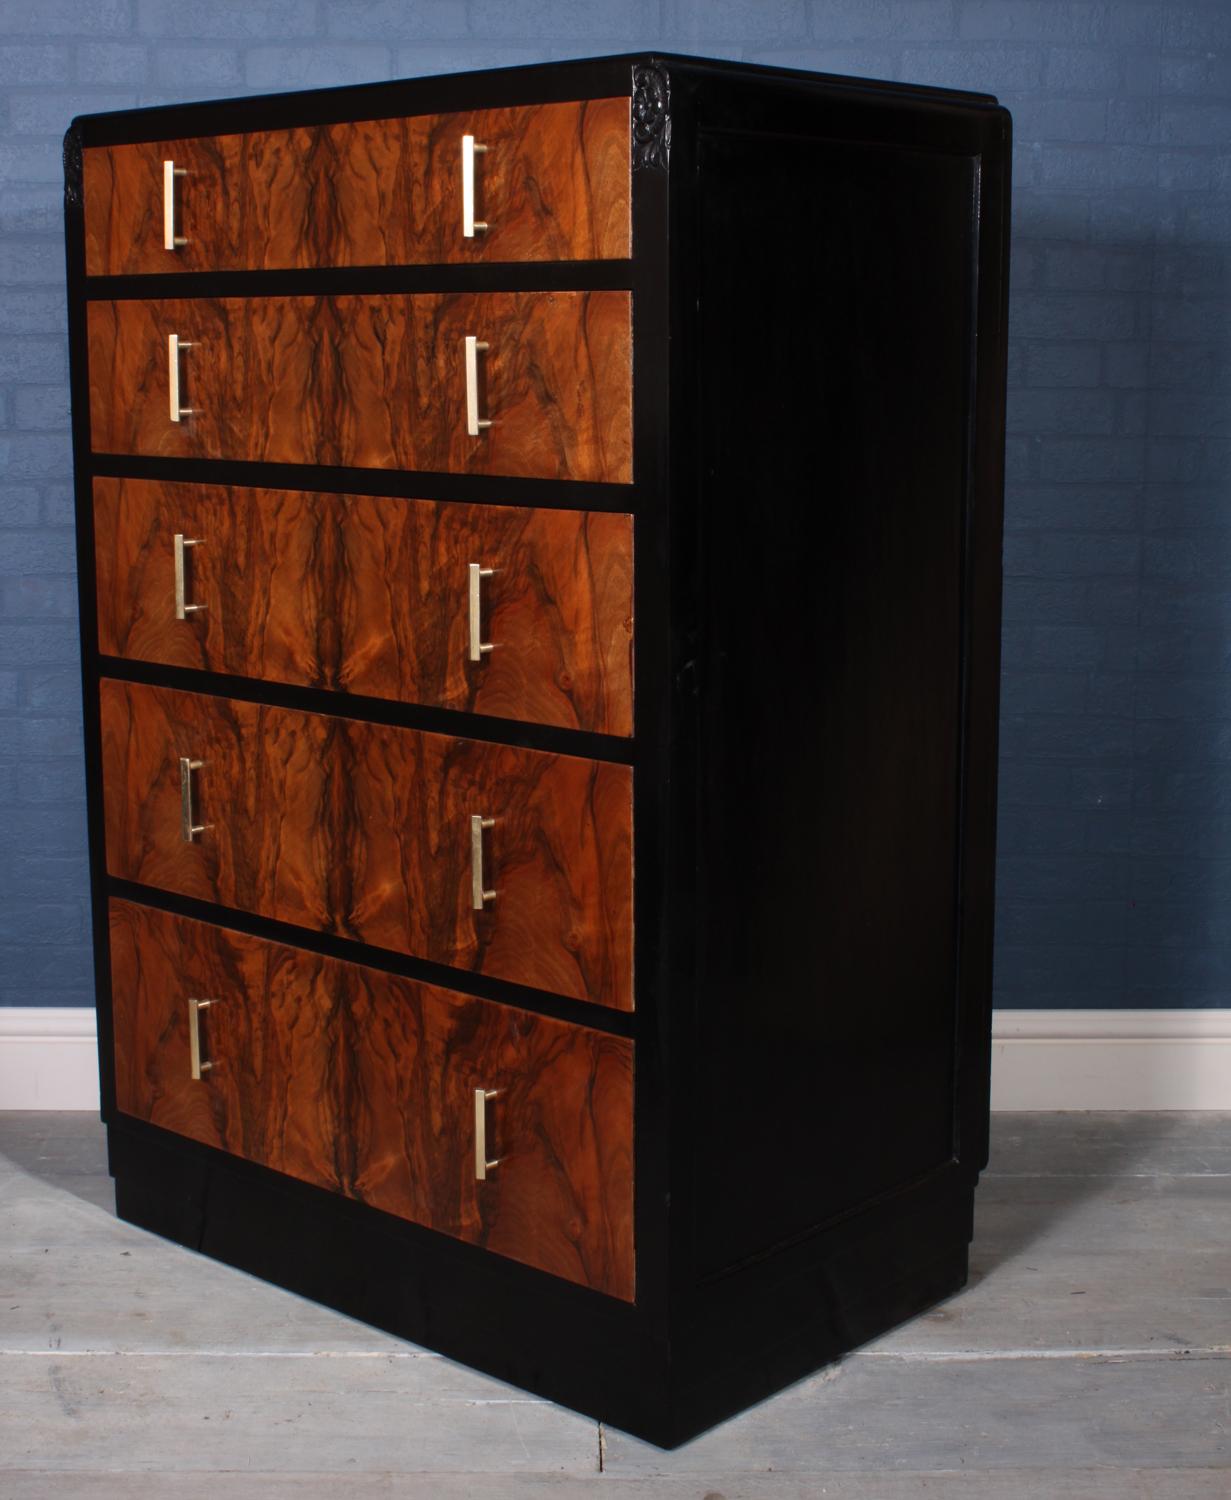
539,568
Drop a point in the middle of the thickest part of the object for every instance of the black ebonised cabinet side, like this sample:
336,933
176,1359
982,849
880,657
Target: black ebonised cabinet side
818,279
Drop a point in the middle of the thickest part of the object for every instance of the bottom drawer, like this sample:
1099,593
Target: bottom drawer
366,1083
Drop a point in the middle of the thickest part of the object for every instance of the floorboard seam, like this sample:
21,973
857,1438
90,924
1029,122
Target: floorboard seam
956,1356
1098,1176
246,1354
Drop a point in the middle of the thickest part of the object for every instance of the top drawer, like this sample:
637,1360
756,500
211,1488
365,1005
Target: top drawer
549,182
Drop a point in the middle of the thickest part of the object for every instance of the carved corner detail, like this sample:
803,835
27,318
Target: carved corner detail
651,117
72,169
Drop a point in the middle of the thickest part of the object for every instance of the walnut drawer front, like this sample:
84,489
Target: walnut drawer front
551,182
368,831
371,381
364,1083
373,595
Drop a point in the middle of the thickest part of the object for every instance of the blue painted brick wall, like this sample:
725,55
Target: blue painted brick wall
1115,842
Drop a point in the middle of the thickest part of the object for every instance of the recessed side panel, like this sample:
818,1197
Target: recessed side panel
835,360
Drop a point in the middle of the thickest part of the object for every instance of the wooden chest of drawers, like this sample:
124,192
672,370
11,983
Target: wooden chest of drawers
539,567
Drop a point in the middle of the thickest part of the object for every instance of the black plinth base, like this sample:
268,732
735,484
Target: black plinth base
840,1289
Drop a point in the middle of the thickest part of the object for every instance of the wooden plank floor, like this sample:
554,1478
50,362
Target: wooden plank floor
1090,1358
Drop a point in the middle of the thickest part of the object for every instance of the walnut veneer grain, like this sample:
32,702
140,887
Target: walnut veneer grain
363,830
372,381
553,184
368,594
363,1082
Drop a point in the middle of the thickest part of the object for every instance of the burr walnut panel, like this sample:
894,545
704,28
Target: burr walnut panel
369,594
553,184
364,830
363,1083
372,381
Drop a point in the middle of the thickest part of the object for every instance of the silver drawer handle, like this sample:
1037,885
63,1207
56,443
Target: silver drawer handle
474,422
470,148
482,1164
196,1066
174,345
170,240
182,609
478,646
479,896
189,827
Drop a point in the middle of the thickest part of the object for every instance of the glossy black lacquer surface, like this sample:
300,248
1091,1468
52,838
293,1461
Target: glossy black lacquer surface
827,839
816,491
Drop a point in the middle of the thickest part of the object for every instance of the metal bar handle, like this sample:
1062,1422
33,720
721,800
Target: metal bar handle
174,345
196,1066
474,422
189,827
482,1164
170,240
183,609
478,646
478,895
470,149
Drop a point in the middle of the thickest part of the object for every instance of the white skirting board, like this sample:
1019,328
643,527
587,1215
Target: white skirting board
48,1058
1041,1059
1111,1059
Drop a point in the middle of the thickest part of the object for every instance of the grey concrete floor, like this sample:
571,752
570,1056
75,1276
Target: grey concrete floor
1090,1357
